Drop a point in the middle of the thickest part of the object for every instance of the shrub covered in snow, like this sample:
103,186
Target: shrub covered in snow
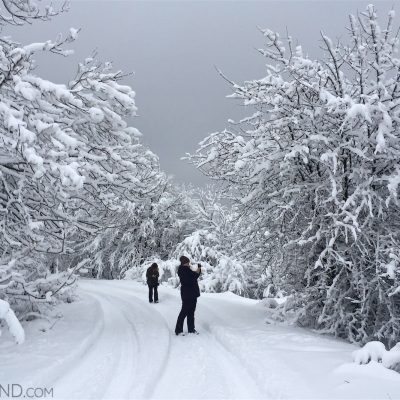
227,274
270,303
376,351
372,351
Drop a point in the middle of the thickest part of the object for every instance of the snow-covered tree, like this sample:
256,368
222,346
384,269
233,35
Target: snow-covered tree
213,244
23,214
141,231
315,173
68,160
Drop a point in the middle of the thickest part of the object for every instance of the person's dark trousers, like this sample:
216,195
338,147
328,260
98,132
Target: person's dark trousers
151,289
187,311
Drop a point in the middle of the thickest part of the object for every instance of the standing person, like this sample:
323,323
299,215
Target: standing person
189,293
152,275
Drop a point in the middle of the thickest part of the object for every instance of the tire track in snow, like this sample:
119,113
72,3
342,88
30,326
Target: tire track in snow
276,394
207,367
213,354
245,371
120,378
157,369
49,376
271,381
160,371
93,377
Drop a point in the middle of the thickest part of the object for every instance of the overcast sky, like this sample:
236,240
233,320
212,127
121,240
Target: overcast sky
173,46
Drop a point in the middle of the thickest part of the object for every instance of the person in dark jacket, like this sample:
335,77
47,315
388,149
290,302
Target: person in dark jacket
152,281
189,293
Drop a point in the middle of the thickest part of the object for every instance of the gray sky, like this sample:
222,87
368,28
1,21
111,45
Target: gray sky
172,47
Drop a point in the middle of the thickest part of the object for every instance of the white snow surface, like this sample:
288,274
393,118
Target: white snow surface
113,344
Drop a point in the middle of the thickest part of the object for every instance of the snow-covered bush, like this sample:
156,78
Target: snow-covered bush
371,351
227,274
391,359
314,173
220,272
376,351
270,303
283,309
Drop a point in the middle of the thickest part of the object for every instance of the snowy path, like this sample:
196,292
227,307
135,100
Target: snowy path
113,344
194,366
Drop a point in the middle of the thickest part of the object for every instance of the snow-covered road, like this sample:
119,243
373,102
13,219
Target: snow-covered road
113,344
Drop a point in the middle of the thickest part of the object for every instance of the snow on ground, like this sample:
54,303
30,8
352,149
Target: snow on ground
113,344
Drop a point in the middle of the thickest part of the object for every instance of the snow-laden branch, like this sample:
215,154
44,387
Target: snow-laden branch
14,326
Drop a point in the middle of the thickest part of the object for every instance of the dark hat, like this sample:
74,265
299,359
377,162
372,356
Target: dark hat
184,260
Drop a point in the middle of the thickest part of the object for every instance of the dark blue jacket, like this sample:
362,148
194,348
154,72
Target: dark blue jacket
189,286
